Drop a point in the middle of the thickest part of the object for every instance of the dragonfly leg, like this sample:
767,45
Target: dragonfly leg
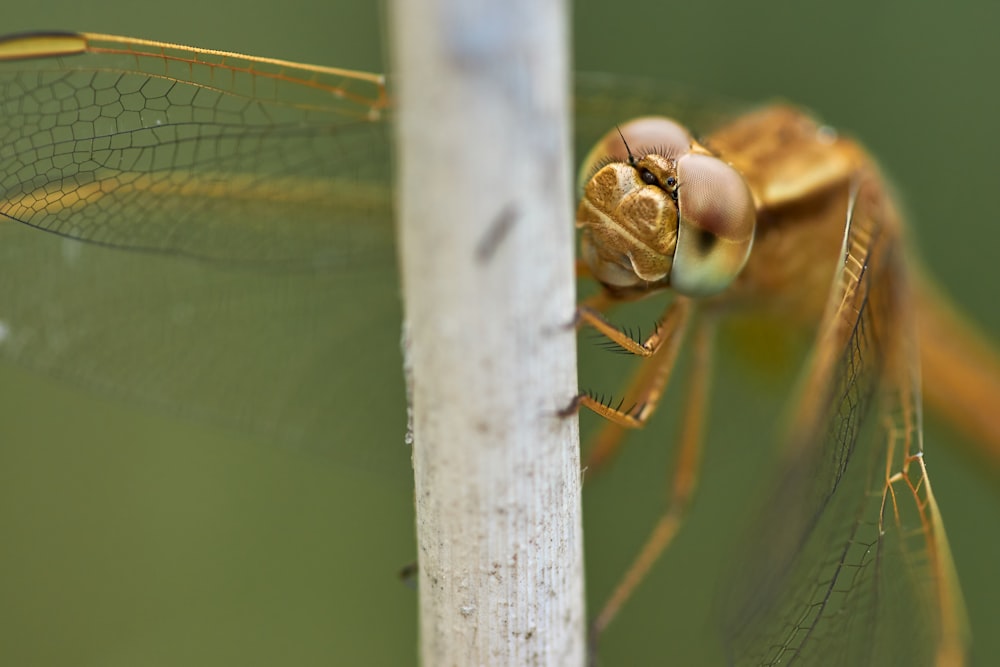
645,389
684,482
670,326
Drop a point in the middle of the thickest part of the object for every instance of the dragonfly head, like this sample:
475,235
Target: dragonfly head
659,210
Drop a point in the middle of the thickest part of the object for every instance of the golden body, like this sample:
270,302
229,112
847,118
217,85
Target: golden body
828,256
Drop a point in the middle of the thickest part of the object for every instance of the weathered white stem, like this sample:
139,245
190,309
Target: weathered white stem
487,259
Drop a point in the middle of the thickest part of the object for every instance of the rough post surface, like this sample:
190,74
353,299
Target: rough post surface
487,257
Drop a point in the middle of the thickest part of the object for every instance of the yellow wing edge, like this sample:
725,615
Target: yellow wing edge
955,633
57,44
41,45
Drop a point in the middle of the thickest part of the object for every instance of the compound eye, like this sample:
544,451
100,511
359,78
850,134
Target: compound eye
644,135
716,227
653,134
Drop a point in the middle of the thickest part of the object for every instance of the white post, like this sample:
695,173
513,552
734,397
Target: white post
484,198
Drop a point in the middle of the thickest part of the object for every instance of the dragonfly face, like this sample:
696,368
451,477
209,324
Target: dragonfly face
642,231
266,183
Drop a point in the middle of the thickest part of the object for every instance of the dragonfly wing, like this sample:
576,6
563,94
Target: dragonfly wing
172,150
176,226
849,564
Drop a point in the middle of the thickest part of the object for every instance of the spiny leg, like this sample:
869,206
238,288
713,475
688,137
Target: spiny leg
680,307
684,482
645,389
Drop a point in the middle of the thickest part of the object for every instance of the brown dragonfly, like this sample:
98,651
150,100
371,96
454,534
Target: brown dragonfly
162,202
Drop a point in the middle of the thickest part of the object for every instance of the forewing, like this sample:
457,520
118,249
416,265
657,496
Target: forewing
849,564
172,150
201,231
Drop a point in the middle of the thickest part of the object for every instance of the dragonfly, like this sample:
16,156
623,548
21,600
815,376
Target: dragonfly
205,230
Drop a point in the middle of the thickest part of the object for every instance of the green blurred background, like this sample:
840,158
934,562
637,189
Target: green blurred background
128,537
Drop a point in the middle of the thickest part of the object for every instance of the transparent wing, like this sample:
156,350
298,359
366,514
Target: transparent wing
165,149
201,231
849,564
